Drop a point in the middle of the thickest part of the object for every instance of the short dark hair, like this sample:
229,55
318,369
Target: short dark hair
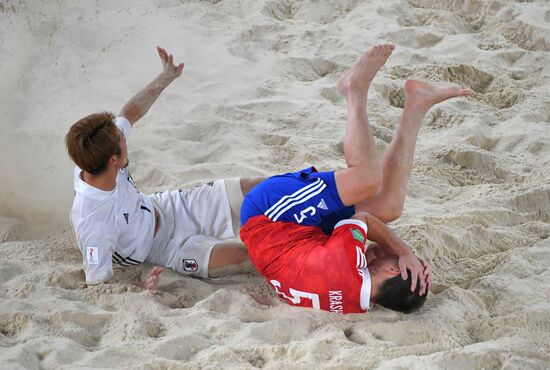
395,294
92,141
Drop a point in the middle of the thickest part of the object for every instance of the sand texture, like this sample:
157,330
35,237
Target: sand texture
257,97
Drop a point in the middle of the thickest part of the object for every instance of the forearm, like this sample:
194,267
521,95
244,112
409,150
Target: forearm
389,243
379,251
380,233
140,103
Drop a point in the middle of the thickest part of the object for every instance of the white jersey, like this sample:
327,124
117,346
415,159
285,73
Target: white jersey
112,226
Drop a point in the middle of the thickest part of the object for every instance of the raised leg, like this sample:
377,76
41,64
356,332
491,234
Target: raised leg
362,178
387,204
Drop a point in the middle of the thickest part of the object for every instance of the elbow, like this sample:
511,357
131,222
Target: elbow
131,112
362,216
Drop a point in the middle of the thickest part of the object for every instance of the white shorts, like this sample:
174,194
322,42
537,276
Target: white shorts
192,222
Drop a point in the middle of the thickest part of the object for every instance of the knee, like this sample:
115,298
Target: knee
371,184
391,212
227,254
248,183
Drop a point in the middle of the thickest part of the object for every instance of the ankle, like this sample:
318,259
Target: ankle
417,107
356,100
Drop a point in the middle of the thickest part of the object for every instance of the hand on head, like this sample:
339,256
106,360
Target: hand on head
420,271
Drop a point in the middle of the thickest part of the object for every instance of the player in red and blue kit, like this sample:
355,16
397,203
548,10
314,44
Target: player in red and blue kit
306,231
284,219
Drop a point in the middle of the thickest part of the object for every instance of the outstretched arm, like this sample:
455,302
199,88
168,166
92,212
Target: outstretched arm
143,100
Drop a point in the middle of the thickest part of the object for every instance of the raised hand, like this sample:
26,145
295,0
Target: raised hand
140,103
170,70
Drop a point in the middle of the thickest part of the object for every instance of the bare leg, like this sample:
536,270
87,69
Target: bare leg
362,178
228,258
248,183
387,204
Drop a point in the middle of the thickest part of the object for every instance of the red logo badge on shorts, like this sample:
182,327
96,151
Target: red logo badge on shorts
190,265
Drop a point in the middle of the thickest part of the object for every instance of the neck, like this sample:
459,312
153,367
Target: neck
106,181
376,283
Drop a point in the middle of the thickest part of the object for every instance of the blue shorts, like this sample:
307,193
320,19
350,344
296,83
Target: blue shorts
305,197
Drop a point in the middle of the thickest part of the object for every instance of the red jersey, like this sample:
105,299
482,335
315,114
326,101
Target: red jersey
308,268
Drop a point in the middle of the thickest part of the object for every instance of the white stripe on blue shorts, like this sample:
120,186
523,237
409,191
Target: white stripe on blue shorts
298,197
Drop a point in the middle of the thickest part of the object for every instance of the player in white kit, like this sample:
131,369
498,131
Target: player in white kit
187,230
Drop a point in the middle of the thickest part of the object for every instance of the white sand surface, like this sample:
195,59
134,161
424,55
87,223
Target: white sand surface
257,97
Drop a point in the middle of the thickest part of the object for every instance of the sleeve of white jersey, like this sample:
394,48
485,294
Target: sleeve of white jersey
97,251
124,125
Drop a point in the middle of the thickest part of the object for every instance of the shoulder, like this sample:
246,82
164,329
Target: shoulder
350,237
350,233
97,225
124,125
353,225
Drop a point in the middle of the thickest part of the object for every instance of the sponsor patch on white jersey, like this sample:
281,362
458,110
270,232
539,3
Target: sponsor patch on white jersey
92,255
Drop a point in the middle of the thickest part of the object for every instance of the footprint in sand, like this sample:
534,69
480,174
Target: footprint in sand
181,348
12,324
73,279
447,22
307,70
278,9
526,36
477,160
274,139
474,13
84,328
316,12
439,118
535,200
413,38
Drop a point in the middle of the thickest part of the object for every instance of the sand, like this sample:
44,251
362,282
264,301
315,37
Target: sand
257,97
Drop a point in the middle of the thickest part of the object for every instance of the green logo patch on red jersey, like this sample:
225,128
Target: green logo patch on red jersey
358,235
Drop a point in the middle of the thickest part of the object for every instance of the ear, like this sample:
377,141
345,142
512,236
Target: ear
113,160
394,270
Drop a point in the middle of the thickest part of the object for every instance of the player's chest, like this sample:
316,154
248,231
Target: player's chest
129,208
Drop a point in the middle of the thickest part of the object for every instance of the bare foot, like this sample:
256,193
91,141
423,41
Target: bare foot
425,94
359,77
